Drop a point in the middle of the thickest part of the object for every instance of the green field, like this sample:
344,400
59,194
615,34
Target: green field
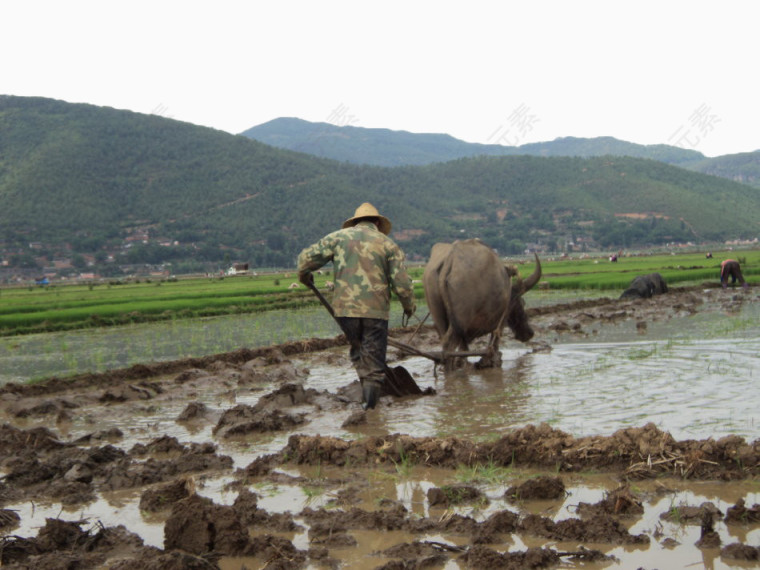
680,269
59,307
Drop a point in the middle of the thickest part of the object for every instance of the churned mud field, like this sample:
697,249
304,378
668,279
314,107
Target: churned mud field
623,436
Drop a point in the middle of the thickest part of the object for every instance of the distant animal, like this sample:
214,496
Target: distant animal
730,268
470,293
644,286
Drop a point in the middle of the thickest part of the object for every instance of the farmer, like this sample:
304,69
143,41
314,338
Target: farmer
730,268
367,266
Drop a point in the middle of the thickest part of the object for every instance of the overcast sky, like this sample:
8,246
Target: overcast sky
507,72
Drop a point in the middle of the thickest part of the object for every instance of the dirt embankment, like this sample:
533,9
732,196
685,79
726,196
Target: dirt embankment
40,465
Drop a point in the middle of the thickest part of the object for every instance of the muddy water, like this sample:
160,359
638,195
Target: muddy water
674,375
694,377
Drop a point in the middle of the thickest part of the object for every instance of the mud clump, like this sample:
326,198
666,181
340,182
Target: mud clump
14,440
8,519
484,558
64,544
620,502
540,488
198,526
416,555
740,514
738,551
455,495
708,537
164,497
267,414
686,514
603,528
193,411
243,421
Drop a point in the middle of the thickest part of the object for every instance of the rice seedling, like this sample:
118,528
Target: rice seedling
674,513
404,465
640,353
312,493
318,475
488,473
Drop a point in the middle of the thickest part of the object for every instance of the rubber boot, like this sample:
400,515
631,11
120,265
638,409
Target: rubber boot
370,394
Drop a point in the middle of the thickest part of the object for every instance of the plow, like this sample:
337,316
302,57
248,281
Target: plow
399,382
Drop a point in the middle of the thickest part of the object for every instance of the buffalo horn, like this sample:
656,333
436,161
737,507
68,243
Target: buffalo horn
531,281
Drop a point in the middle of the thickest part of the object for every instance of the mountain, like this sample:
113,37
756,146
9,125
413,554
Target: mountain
743,167
95,184
383,147
378,147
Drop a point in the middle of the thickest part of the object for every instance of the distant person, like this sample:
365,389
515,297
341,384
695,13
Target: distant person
613,258
730,268
708,255
367,266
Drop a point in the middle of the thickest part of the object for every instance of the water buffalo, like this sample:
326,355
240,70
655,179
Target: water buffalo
471,293
644,286
730,268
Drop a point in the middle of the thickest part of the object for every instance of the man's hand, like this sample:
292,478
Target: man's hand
410,311
307,278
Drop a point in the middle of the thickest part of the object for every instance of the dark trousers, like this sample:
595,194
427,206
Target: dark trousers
733,271
369,341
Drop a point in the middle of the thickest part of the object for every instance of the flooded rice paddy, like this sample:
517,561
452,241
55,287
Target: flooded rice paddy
39,356
691,373
96,350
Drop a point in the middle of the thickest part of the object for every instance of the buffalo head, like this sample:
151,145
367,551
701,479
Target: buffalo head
517,318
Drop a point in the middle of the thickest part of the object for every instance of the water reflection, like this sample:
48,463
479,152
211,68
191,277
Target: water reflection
694,389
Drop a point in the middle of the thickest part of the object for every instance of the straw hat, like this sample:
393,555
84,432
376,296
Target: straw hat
367,210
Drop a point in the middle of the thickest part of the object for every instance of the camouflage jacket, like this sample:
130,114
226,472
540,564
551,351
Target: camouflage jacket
367,266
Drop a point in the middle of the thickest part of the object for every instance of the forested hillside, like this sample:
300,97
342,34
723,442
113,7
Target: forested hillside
112,187
743,167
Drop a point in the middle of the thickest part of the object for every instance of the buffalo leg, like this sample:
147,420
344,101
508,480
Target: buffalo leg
452,342
492,359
